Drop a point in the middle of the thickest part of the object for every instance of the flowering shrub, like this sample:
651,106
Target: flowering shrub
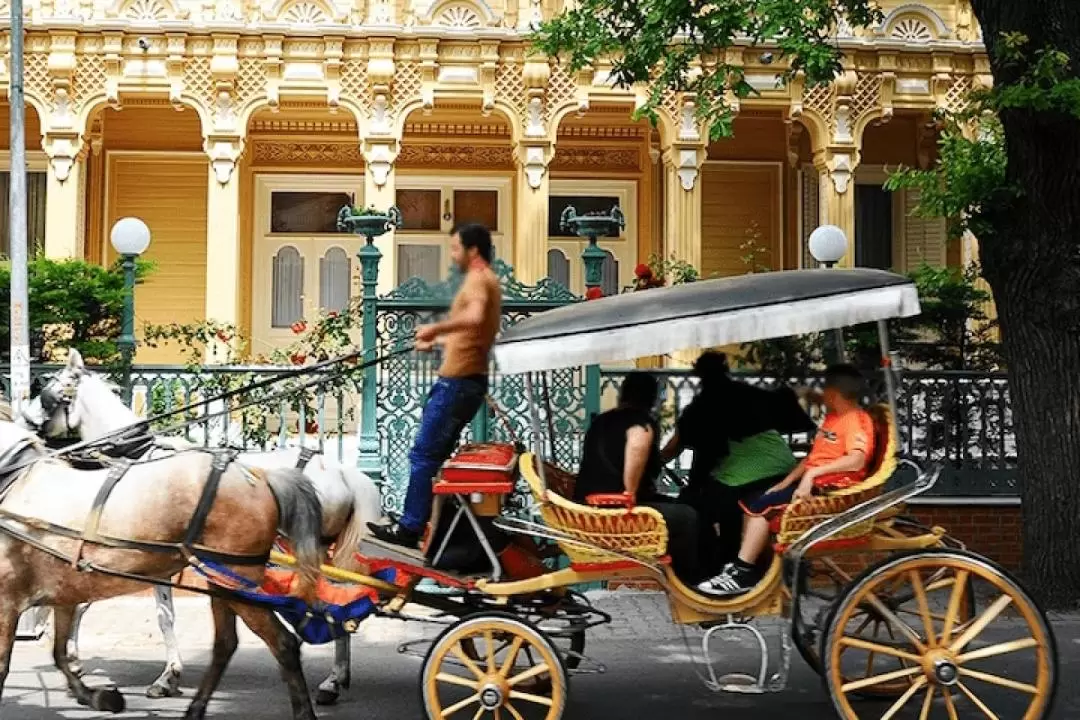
594,293
658,272
320,340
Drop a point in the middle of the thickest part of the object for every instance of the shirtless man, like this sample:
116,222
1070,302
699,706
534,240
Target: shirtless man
459,391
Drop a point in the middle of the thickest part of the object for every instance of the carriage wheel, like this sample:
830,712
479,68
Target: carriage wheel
520,675
937,659
823,582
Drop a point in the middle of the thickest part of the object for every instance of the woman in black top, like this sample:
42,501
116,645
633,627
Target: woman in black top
622,454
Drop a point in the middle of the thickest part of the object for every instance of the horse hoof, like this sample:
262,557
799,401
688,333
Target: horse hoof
325,697
157,691
107,699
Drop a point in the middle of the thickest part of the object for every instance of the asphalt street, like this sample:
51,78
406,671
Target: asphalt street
647,673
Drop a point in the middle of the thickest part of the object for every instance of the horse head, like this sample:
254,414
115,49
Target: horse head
70,400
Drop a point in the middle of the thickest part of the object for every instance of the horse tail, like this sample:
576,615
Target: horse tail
301,521
366,507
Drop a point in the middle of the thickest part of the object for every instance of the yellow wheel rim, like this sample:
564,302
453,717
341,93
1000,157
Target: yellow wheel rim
493,667
937,659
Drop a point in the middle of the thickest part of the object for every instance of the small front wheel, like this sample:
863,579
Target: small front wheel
960,637
493,665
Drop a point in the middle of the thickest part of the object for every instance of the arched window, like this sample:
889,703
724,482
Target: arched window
558,267
287,301
334,280
609,277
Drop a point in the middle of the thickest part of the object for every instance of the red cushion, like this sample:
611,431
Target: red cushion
610,500
484,462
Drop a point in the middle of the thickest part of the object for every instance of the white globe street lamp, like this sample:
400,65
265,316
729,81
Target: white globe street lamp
130,238
828,244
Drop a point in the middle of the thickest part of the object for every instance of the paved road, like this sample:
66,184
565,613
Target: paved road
647,674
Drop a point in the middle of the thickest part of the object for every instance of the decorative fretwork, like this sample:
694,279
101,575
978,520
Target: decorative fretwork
510,85
250,80
561,90
354,81
147,11
36,79
407,84
471,157
956,97
89,78
198,82
460,17
912,29
305,13
867,94
819,98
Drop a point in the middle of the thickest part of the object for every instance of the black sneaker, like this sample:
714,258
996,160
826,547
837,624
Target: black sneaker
396,534
733,580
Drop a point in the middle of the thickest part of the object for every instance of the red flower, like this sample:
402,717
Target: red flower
594,293
299,326
643,271
332,314
298,358
223,336
311,427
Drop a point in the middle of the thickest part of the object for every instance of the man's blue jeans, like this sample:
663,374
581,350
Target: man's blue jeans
451,405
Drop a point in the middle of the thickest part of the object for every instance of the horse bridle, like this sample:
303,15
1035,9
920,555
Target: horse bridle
55,396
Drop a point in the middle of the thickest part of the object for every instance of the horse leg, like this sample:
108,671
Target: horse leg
73,640
9,621
340,676
168,683
108,698
225,642
286,650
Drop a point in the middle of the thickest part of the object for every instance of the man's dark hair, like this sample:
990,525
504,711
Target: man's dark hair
475,235
639,390
712,367
846,380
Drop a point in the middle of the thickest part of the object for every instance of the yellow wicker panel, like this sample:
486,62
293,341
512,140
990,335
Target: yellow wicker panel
802,516
640,532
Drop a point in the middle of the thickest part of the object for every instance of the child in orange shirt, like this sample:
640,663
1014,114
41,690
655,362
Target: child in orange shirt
839,458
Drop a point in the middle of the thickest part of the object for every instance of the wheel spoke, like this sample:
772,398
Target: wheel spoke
456,680
877,648
467,661
1000,681
513,710
515,648
529,697
950,707
879,679
903,699
928,702
979,625
924,607
479,713
530,673
896,622
999,649
461,705
953,611
489,638
977,702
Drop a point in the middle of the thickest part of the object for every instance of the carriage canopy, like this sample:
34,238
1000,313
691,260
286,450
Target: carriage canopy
704,314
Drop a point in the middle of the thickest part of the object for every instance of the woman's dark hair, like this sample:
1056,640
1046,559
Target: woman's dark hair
846,380
475,235
639,390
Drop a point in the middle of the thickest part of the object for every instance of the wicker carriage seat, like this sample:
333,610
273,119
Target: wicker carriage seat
803,516
640,531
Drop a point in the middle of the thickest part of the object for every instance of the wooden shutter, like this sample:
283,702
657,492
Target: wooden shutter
925,238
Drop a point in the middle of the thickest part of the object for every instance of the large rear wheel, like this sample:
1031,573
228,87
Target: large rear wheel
936,658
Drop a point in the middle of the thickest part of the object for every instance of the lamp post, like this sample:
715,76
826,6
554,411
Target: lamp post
828,244
130,237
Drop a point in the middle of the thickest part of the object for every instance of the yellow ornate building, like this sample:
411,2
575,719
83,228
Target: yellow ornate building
237,128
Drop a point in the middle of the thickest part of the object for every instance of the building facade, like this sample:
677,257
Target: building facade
236,129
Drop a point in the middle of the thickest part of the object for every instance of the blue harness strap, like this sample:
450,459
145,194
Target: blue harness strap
315,625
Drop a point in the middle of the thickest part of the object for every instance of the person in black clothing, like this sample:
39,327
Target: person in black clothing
723,412
622,455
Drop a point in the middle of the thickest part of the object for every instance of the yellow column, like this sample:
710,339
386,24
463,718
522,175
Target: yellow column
64,201
682,203
223,232
533,197
380,192
837,188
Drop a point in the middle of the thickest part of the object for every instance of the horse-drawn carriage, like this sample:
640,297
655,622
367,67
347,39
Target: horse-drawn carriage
923,629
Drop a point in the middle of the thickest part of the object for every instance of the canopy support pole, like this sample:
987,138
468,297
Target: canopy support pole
886,364
538,433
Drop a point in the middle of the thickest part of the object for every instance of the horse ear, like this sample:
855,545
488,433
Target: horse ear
75,360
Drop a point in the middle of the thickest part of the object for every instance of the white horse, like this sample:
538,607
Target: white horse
76,400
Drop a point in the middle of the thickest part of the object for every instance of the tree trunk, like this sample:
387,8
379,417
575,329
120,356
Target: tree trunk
1032,263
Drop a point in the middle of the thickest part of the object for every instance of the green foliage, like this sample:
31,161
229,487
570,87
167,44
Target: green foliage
326,337
658,272
681,46
73,303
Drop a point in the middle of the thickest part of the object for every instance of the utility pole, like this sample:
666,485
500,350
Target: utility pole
20,329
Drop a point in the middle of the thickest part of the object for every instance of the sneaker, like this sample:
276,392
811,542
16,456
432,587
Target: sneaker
733,580
395,534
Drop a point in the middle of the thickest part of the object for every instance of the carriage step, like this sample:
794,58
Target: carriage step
375,548
412,562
